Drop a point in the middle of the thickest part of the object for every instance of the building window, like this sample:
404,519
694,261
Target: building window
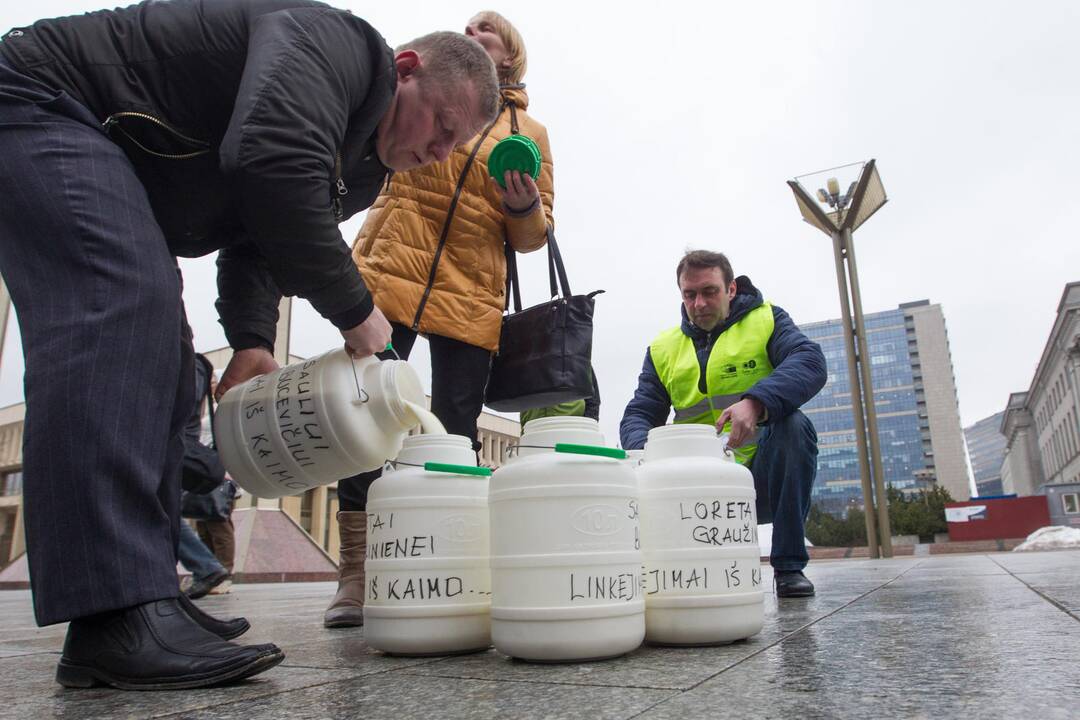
1071,502
11,483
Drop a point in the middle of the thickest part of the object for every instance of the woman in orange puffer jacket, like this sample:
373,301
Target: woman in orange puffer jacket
431,251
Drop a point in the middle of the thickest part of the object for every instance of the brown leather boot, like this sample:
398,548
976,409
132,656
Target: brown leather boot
347,608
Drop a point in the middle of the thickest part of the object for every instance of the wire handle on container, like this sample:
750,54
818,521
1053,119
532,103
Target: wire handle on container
736,453
362,396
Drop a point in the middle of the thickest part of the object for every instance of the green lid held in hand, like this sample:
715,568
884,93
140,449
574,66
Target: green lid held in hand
516,152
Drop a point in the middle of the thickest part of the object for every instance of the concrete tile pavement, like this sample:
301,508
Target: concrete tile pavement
941,636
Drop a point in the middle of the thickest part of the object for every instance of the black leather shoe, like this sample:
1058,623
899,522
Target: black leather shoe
224,629
199,588
155,646
792,583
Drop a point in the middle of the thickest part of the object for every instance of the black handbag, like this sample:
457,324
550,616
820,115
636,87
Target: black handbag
214,505
545,351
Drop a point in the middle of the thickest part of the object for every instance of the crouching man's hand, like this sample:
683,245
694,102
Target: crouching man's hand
245,364
744,416
369,337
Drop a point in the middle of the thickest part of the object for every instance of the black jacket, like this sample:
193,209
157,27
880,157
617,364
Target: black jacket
252,125
799,370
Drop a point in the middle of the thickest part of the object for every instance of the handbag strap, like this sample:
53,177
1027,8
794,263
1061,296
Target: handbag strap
450,217
513,119
556,272
556,266
513,287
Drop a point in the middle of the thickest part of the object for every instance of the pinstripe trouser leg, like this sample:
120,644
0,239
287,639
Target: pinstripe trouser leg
109,372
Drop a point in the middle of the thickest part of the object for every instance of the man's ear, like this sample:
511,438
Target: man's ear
407,63
732,289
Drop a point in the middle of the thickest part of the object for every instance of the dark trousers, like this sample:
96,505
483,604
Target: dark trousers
784,469
109,365
459,372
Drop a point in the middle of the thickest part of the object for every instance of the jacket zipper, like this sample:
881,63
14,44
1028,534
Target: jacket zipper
114,119
342,190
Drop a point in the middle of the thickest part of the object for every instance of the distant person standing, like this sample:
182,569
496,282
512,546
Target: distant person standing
431,252
218,534
211,572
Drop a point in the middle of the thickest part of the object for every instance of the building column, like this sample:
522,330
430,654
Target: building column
281,355
284,327
333,547
290,505
318,515
18,534
5,310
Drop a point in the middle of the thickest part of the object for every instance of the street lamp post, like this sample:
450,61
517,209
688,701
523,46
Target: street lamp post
850,210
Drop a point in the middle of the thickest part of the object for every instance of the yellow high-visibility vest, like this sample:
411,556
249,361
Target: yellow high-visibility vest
739,358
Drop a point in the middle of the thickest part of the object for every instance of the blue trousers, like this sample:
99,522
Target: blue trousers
784,469
195,556
110,370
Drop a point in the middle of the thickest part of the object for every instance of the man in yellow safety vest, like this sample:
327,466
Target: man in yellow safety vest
740,363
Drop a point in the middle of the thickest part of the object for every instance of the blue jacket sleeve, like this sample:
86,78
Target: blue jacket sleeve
799,370
649,408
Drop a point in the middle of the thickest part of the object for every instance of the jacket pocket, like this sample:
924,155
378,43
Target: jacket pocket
153,136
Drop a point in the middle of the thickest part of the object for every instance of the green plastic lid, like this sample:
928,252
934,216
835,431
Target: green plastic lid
516,152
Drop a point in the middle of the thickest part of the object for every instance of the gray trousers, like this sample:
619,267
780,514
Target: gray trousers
109,365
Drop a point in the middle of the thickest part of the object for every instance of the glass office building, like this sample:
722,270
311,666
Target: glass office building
909,361
986,447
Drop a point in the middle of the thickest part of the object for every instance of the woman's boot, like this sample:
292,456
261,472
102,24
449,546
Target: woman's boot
347,608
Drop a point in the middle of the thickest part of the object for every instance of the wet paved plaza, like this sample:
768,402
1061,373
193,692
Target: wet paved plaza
983,636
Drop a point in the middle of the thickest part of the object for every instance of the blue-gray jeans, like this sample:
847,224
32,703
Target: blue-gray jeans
784,469
195,556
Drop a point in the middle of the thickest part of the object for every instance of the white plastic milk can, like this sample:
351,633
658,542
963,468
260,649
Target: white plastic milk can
428,585
699,537
565,555
315,422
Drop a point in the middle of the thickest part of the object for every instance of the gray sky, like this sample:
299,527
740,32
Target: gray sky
677,129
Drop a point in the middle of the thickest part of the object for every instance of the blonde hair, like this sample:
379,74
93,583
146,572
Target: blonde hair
515,45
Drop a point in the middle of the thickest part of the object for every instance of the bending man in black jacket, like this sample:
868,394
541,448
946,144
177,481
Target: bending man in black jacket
129,137
739,363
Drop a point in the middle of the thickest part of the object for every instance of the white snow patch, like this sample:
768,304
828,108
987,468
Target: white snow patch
1054,537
